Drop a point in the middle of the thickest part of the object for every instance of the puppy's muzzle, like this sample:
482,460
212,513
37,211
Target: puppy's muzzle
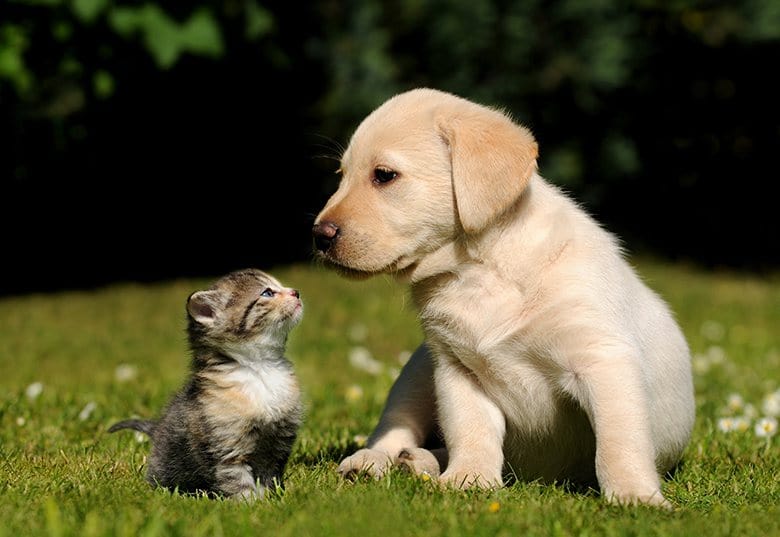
325,234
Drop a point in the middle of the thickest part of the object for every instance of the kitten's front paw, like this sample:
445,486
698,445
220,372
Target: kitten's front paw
365,461
249,494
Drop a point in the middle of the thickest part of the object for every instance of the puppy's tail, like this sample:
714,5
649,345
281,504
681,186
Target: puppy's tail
144,426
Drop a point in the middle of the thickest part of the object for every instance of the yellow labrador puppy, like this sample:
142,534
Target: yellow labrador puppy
545,356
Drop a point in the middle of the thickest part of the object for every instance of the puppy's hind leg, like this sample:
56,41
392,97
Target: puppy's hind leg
406,420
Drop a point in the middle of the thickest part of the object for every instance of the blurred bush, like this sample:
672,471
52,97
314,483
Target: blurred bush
198,128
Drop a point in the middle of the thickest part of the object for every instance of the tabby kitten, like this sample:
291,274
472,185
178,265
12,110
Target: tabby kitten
230,430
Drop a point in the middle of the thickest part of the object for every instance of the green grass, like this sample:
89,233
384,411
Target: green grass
61,474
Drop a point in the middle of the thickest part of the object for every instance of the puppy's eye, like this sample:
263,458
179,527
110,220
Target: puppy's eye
268,293
384,175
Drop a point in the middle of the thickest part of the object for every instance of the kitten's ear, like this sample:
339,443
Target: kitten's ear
202,306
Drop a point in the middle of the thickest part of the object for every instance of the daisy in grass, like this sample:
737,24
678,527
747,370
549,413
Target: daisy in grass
739,416
125,372
766,427
731,424
34,390
771,404
361,358
734,403
87,411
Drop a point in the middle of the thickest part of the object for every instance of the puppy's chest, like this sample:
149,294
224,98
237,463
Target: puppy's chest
476,317
489,327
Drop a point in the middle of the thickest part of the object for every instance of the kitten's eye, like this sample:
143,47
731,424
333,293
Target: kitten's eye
384,175
268,293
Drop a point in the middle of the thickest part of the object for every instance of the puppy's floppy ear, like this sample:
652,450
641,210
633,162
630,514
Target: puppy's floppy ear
492,160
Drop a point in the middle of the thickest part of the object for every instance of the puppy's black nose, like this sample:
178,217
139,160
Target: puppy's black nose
325,234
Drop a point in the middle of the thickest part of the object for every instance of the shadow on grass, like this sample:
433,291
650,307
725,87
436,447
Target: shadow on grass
330,453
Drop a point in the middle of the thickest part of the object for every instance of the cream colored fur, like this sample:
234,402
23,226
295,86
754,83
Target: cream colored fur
545,354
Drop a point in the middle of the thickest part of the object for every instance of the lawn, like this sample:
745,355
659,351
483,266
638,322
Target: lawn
72,363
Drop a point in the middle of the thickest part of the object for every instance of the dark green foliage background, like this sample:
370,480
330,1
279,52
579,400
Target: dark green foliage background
142,140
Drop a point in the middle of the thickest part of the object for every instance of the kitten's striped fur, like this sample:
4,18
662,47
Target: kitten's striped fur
231,428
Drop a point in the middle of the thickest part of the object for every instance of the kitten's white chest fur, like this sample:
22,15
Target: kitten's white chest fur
266,380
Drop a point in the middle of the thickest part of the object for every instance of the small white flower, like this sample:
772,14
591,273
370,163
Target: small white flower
726,425
735,403
741,424
771,404
125,372
712,330
750,412
730,424
87,411
140,437
353,393
34,390
360,440
358,332
361,358
20,421
766,427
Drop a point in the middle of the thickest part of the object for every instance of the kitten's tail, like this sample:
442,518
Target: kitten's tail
145,426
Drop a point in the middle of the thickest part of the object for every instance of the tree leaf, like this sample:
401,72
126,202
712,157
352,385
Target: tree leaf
125,20
13,43
103,84
161,35
164,38
258,21
88,10
201,35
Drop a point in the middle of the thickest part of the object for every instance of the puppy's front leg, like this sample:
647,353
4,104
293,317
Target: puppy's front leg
617,406
406,420
473,428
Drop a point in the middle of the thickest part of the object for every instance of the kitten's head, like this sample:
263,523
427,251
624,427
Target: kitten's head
244,309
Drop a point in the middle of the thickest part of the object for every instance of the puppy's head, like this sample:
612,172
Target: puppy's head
419,171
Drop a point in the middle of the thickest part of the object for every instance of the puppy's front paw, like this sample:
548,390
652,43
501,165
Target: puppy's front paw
419,461
653,498
365,461
464,479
